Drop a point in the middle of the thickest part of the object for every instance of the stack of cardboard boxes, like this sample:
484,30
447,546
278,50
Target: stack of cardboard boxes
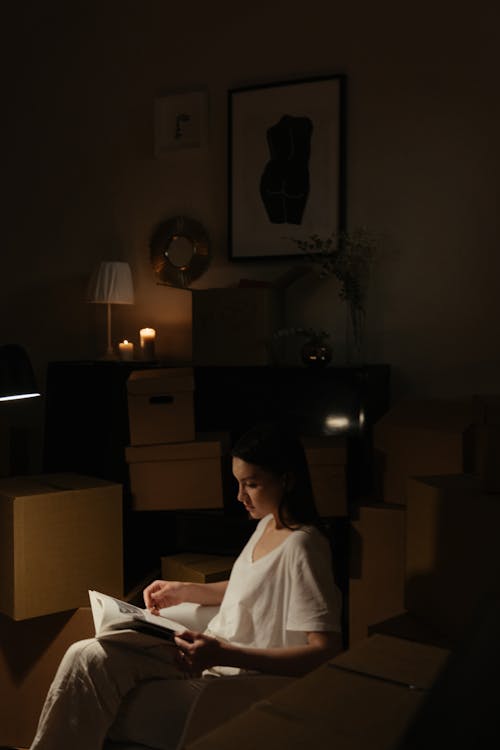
60,535
170,467
428,548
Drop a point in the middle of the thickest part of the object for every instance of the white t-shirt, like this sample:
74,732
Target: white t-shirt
276,600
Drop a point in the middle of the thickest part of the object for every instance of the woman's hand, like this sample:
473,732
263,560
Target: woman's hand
161,594
197,651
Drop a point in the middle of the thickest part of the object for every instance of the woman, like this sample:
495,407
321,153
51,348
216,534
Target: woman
279,612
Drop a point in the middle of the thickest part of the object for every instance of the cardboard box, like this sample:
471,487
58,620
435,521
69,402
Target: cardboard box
422,438
161,406
438,436
407,626
60,535
327,457
176,475
452,550
30,652
396,659
196,568
363,699
234,326
376,570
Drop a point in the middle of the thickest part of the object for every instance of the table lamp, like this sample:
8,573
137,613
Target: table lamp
111,284
17,379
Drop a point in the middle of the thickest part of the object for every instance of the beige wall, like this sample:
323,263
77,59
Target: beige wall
82,183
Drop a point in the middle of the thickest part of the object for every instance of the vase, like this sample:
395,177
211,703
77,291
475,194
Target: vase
316,353
355,330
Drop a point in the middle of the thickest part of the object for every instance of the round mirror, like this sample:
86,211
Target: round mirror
179,251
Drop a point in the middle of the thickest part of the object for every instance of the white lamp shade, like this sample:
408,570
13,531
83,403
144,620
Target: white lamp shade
112,283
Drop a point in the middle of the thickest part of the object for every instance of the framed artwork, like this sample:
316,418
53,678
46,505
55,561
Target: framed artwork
286,162
180,121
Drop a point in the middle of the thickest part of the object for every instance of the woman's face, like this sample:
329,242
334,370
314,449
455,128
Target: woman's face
258,490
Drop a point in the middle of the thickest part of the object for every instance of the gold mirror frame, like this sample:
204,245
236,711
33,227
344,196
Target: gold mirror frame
162,246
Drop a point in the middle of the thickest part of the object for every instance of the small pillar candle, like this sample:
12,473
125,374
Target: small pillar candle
148,336
126,350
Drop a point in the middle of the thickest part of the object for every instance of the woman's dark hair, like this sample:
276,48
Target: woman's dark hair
276,449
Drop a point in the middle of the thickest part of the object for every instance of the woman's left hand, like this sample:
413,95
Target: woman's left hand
197,651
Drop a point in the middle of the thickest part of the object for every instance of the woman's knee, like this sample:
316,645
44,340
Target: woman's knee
83,655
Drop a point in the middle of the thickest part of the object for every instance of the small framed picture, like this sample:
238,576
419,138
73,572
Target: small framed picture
180,121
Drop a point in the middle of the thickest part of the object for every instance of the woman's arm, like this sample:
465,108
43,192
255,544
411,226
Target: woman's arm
201,652
161,594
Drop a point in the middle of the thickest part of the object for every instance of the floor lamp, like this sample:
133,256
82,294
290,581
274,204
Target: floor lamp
111,284
17,381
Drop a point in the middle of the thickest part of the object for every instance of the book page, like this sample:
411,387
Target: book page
111,615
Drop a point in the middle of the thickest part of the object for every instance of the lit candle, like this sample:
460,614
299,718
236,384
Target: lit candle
148,336
126,350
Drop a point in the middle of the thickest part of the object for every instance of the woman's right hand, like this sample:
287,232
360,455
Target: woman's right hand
161,594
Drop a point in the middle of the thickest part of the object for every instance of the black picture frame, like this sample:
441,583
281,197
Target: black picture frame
272,198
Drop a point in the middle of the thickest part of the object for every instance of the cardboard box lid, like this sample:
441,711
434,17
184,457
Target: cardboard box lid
44,484
157,381
395,659
173,451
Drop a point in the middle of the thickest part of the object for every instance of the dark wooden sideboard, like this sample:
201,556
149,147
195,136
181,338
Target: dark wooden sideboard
86,418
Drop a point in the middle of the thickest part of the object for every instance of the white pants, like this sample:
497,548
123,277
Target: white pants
133,694
89,696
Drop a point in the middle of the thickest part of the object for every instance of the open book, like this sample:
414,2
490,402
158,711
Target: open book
113,617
